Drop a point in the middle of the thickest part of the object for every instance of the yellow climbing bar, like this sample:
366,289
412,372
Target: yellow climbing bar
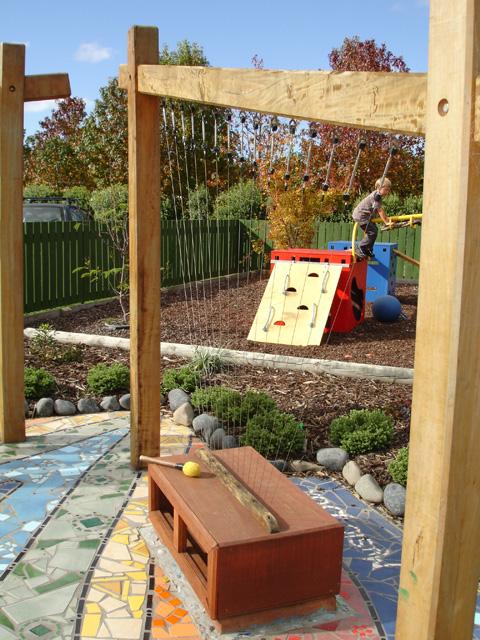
410,217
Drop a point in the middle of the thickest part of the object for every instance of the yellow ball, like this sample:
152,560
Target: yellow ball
191,469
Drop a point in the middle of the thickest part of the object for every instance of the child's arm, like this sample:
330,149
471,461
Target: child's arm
383,216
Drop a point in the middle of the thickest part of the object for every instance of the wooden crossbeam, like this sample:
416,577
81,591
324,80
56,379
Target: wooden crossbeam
51,86
379,101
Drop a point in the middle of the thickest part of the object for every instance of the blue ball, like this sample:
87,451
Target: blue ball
386,309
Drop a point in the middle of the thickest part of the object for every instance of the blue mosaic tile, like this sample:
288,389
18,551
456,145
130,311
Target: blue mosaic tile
42,482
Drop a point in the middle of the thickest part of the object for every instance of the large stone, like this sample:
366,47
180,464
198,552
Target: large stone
125,401
332,458
394,496
281,465
216,439
302,466
369,489
177,397
110,403
352,472
44,408
229,442
184,415
64,408
205,421
87,405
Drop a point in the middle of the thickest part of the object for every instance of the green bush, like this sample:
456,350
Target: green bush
217,399
38,383
362,431
186,378
274,435
39,191
80,194
398,468
199,204
242,201
104,378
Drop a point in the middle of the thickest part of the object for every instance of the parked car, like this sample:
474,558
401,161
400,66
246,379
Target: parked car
53,210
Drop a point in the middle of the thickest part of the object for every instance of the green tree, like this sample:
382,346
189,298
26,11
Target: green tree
243,200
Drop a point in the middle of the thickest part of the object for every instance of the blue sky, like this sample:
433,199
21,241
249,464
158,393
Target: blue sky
88,39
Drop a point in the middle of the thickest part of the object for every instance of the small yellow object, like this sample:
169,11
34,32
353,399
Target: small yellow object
191,469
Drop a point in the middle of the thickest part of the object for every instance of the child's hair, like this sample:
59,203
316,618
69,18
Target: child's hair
386,183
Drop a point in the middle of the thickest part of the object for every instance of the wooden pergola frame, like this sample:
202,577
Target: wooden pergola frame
440,562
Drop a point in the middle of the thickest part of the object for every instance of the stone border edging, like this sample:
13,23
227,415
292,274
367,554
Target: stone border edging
264,360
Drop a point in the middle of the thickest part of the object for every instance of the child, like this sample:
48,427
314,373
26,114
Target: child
368,208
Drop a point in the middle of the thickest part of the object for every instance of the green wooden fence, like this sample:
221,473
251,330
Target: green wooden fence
190,250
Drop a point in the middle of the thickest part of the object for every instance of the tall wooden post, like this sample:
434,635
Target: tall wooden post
144,207
12,79
441,556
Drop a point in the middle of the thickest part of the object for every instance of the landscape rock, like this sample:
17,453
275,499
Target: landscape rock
44,408
163,400
125,401
332,458
352,472
207,432
394,496
216,439
87,405
110,403
302,466
229,442
369,489
184,414
177,397
281,465
26,409
64,408
204,420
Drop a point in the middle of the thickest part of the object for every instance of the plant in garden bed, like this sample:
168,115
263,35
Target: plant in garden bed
38,383
44,344
398,468
275,435
186,378
103,379
362,431
215,399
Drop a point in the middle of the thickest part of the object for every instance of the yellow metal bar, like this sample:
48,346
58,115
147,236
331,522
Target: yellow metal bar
410,217
354,237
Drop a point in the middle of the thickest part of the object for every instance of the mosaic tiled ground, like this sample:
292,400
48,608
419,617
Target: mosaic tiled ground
73,558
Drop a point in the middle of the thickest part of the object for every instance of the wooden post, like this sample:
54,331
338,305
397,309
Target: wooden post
441,558
12,77
144,208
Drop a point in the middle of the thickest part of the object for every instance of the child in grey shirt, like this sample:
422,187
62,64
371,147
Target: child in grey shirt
366,209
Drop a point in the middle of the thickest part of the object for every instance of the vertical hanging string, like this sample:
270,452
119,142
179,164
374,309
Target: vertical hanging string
393,151
207,217
273,131
194,274
361,146
326,183
216,151
174,198
292,127
312,135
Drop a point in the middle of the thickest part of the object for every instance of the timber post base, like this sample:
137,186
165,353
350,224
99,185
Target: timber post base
242,574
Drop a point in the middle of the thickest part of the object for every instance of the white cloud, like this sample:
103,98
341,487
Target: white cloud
39,106
92,52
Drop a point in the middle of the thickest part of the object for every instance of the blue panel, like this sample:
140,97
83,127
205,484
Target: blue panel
381,278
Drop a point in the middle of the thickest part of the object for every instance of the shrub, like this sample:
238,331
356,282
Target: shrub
103,378
398,468
39,191
38,383
45,345
216,399
186,378
274,435
80,194
362,431
199,204
242,201
207,363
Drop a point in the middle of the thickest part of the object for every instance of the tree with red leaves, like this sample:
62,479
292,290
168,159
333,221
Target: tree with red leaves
406,170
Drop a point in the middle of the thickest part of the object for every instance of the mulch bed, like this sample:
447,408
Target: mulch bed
222,315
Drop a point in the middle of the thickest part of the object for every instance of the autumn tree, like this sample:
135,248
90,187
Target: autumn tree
54,156
406,171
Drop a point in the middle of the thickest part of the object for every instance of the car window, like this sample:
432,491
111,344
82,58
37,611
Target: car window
41,214
76,214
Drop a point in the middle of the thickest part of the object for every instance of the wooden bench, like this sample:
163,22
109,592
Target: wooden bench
241,573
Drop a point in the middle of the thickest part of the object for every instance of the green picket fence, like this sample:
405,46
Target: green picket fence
190,250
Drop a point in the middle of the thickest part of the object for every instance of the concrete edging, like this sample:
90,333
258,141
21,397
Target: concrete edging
263,360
